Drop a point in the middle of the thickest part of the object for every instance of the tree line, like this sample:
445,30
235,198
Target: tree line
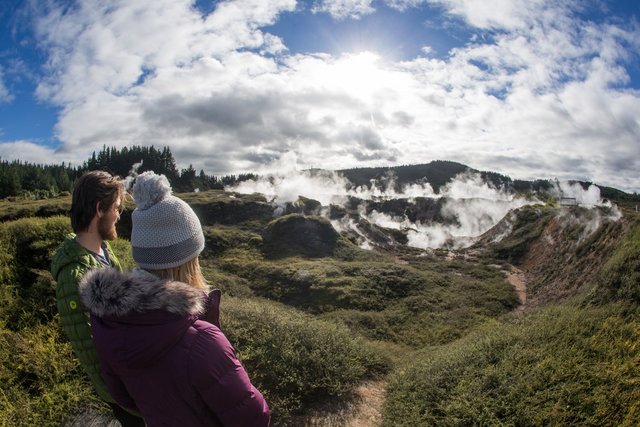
30,180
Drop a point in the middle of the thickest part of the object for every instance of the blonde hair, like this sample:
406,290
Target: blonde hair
189,272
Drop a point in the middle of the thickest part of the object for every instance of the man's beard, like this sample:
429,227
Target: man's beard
106,229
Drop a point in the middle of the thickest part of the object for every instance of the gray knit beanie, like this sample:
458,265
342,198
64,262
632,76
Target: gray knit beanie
166,232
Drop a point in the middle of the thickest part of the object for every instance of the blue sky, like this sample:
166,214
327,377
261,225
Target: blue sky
528,88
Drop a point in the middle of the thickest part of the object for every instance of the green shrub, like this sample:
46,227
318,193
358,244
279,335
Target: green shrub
15,208
33,241
27,288
229,284
561,366
293,358
41,382
324,284
373,325
220,238
215,207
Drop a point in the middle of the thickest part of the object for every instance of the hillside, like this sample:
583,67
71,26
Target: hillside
560,251
437,173
355,321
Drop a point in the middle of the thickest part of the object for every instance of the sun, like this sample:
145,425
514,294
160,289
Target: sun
359,74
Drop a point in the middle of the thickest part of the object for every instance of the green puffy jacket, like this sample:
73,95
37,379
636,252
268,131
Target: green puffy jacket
70,262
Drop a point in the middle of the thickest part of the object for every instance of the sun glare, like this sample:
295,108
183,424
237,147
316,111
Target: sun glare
358,74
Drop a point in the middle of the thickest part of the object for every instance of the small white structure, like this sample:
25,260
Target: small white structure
568,201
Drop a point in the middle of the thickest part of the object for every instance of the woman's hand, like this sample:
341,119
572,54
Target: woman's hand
212,308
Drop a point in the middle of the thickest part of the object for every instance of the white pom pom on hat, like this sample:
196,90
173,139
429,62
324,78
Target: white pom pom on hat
166,232
149,189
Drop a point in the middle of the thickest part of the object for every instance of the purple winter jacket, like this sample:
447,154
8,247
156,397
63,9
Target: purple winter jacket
157,358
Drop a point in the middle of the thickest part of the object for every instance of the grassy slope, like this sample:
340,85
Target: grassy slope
375,295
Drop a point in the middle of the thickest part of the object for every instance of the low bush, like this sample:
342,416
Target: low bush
27,288
294,358
12,209
122,249
561,366
218,239
298,235
41,382
324,284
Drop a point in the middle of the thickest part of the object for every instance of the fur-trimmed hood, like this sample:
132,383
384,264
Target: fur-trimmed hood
108,292
137,317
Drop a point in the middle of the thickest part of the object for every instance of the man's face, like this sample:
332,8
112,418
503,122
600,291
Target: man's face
107,223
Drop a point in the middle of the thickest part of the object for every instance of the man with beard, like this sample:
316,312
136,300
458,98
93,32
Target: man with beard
97,201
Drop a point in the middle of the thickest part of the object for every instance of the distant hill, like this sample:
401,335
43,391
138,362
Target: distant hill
439,172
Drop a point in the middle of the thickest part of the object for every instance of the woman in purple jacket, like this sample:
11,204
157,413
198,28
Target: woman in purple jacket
158,354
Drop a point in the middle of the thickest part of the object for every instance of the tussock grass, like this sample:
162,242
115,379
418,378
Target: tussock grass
560,366
619,279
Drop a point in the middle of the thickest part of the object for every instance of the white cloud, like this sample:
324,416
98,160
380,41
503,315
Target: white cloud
342,9
541,94
505,14
36,153
403,5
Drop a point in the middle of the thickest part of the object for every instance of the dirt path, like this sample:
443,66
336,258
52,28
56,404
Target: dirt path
368,409
517,279
362,409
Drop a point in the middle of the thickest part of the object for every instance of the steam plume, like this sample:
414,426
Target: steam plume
133,173
467,205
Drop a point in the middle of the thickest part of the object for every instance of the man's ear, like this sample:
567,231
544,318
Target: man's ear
99,211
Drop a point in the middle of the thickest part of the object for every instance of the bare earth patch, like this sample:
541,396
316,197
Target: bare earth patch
369,409
362,409
517,279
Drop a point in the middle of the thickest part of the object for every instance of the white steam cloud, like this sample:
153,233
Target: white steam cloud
133,173
469,206
454,217
589,197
